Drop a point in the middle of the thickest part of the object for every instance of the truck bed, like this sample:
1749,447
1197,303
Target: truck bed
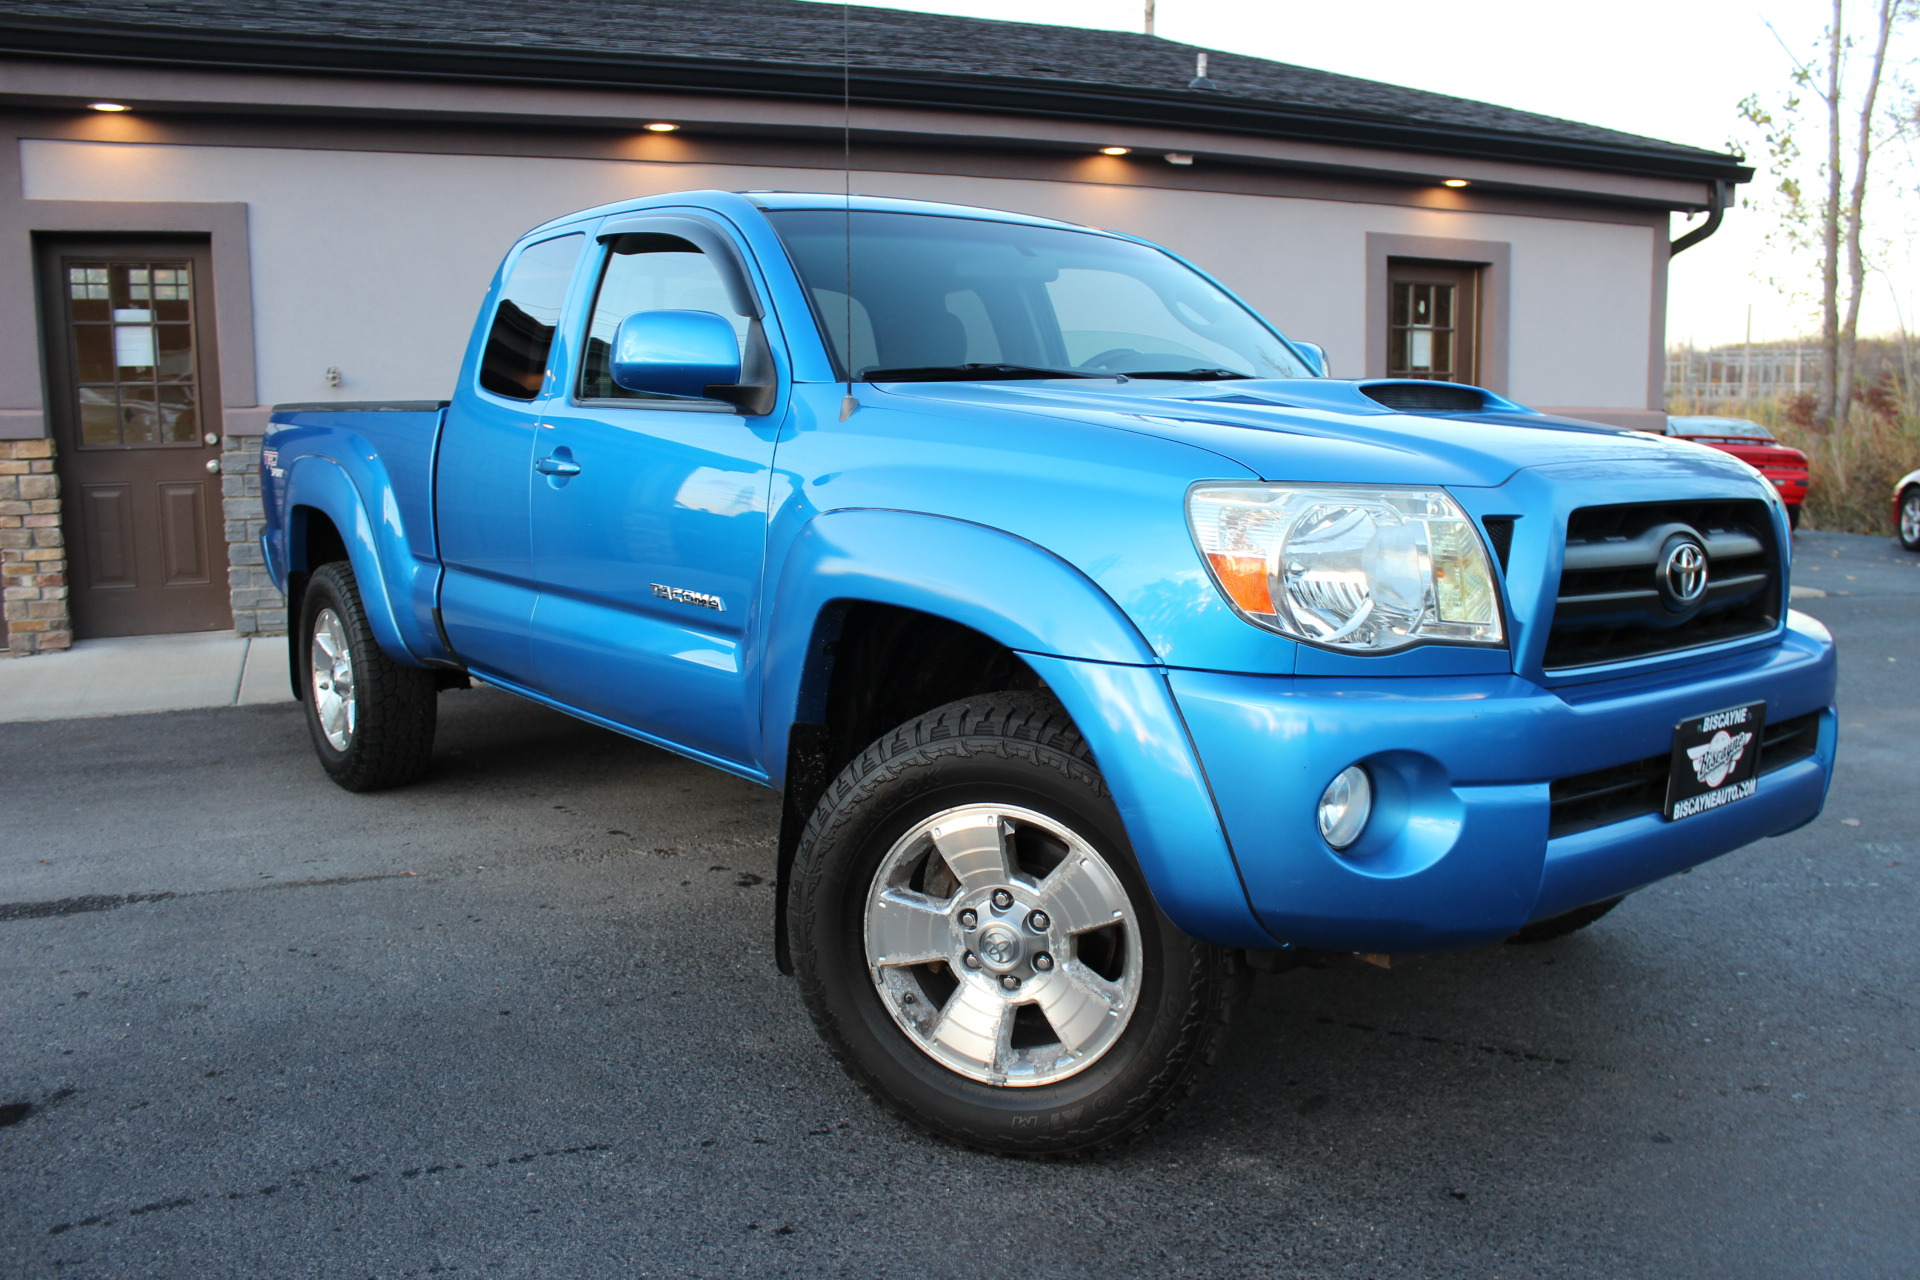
385,448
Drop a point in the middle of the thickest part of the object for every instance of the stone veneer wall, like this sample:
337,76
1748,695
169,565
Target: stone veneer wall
33,551
258,607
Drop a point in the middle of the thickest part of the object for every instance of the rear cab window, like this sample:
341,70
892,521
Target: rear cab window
514,363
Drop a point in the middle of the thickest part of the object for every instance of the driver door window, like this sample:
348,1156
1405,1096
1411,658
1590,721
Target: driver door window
648,273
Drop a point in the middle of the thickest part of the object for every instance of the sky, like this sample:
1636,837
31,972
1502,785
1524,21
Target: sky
1669,69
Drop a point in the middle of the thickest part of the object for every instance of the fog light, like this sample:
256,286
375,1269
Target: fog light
1344,806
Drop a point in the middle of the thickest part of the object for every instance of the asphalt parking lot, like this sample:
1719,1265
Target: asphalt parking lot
523,1020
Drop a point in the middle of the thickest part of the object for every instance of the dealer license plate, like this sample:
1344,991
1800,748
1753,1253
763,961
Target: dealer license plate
1716,760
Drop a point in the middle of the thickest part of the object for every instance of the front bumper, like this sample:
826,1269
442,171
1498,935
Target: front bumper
1457,851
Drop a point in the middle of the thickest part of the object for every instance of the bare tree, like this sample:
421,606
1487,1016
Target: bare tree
1837,227
1830,228
1849,333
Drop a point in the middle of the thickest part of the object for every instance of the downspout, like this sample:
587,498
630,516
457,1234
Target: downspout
1716,209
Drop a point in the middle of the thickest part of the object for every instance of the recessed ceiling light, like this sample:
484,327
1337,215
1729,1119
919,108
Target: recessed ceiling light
1179,157
1115,151
661,126
1454,182
107,106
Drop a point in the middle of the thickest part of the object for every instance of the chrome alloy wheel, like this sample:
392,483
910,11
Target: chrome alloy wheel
1003,945
332,661
1910,517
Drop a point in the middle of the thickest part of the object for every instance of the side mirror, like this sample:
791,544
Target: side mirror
1316,356
675,353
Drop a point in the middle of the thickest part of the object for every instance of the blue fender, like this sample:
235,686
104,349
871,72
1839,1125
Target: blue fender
1128,716
320,484
1074,637
1002,586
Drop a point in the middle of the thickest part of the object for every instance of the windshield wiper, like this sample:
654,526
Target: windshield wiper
979,373
1189,375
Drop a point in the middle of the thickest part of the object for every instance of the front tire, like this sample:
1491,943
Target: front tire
1910,518
372,720
978,948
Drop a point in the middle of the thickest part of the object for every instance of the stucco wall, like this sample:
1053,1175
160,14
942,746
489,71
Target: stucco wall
373,262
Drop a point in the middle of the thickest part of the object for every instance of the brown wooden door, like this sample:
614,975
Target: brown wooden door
133,392
1433,320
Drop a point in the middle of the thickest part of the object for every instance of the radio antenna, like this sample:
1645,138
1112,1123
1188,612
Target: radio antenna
847,403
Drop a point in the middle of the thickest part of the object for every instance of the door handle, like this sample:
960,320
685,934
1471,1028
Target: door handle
556,467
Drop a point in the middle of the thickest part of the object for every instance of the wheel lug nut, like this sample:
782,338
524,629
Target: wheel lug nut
1010,982
968,919
1043,962
1038,922
1002,899
970,960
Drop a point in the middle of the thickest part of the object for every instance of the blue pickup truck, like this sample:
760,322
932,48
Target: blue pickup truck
1102,647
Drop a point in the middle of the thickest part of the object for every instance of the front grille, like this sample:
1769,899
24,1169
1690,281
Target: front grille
1425,397
1606,796
1610,605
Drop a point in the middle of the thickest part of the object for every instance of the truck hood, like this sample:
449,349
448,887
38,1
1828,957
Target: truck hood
1316,430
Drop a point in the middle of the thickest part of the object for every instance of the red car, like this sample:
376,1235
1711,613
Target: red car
1906,510
1753,444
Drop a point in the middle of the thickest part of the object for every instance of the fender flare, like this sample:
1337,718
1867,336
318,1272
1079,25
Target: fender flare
321,484
1004,587
1063,625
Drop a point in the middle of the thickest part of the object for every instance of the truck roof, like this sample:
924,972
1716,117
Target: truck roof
719,201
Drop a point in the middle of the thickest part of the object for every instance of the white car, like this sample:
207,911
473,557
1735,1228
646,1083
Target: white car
1906,510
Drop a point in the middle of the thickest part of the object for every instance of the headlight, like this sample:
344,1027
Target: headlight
1366,570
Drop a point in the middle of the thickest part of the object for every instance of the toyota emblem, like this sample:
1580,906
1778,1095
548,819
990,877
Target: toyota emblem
999,946
1685,573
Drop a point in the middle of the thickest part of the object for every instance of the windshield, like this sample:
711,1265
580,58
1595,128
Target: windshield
940,298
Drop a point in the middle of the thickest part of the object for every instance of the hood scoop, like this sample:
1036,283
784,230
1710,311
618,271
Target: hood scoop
1426,397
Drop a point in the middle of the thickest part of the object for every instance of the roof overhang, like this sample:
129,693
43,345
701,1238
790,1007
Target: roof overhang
1189,111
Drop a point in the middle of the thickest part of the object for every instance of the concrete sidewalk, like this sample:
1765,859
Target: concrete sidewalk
145,673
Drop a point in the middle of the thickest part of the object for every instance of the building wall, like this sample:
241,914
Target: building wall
372,262
33,553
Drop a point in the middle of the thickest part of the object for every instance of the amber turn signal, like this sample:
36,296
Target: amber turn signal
1244,579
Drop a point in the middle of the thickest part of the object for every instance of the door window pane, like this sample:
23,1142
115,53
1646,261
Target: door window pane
179,424
87,292
130,330
514,363
648,273
93,352
99,416
1421,337
139,415
174,343
132,339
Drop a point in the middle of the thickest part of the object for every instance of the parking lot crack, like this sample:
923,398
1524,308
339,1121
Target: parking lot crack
325,1178
113,901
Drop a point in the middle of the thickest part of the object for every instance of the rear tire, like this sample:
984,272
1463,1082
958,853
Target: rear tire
1565,923
978,948
372,720
1909,532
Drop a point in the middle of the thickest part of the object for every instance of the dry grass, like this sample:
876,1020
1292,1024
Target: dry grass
1851,472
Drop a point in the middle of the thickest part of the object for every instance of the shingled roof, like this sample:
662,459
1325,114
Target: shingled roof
794,49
